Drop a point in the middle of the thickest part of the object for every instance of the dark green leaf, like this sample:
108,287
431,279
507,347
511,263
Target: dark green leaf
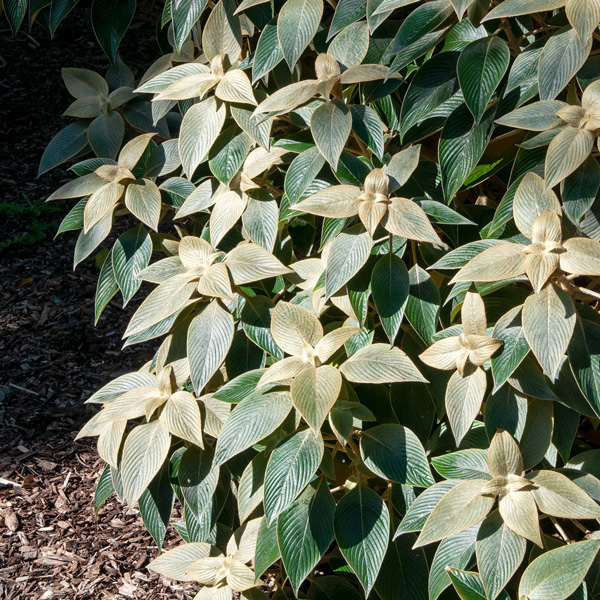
362,524
291,466
110,20
390,288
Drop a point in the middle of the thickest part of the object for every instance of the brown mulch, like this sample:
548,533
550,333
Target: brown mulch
52,357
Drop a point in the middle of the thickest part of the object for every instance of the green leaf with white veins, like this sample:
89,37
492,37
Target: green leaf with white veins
557,495
144,452
464,396
161,303
330,125
579,190
555,575
349,252
251,488
463,464
584,359
461,508
110,20
130,255
584,16
15,11
539,116
209,338
460,6
513,8
142,198
548,323
174,563
156,505
514,346
314,392
197,478
305,531
395,453
256,321
261,218
268,51
469,586
251,262
433,84
106,133
390,286
89,241
185,13
530,201
401,167
481,67
253,419
567,151
404,572
421,508
259,132
106,289
228,153
222,33
120,385
68,142
499,552
563,55
456,552
351,45
462,144
346,13
181,416
297,24
301,173
199,130
361,523
423,305
380,363
291,466
537,433
367,126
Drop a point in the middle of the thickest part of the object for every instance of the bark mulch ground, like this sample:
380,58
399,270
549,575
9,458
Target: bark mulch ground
51,356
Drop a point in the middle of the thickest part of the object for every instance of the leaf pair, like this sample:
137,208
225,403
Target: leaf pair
373,204
519,498
314,385
576,127
231,84
179,415
236,192
466,353
328,76
93,100
220,574
109,182
196,270
536,213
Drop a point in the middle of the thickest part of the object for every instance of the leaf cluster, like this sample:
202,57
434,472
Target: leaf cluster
370,234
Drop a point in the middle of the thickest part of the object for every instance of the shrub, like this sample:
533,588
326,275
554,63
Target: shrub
376,230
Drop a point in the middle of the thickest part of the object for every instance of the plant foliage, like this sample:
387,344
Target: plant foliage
371,231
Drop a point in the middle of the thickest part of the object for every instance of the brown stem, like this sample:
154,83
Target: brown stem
353,446
512,40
